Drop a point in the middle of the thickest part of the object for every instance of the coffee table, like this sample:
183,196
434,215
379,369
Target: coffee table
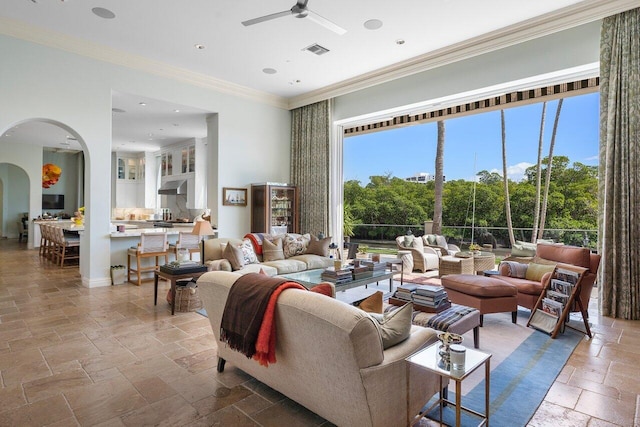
311,278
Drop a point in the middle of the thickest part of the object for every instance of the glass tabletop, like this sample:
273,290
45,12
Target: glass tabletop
313,277
428,358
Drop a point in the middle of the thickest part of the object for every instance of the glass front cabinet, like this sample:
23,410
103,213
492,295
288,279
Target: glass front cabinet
274,208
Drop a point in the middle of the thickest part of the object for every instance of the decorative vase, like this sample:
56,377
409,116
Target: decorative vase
447,339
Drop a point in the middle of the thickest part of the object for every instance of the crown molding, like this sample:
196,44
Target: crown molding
562,19
23,31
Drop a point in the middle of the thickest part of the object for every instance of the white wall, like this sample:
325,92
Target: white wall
40,82
553,53
15,198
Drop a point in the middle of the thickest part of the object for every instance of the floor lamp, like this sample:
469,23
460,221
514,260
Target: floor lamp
201,229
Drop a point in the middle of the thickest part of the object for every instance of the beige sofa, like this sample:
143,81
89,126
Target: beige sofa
330,358
214,259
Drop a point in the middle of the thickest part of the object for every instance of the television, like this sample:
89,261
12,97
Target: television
53,201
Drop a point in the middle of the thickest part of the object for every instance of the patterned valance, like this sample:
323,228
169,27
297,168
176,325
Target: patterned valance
497,102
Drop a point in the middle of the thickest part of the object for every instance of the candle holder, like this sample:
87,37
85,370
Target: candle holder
447,339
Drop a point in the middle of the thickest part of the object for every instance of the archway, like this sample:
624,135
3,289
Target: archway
27,145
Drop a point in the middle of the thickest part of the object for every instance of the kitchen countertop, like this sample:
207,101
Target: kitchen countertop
136,232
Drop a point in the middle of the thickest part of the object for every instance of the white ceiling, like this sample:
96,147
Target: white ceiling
165,32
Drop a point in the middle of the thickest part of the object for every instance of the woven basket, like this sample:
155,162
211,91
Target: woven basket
187,299
452,265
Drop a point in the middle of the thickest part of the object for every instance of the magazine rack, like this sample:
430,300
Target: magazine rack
560,294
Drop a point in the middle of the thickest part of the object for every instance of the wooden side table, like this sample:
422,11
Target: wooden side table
173,277
428,359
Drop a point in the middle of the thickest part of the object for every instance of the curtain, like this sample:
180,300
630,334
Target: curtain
619,170
310,138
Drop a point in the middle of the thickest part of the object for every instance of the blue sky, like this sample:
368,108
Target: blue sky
406,151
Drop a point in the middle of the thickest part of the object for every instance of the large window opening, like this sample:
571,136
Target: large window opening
389,169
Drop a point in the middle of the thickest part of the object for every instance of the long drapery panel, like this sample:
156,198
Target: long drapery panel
619,169
310,139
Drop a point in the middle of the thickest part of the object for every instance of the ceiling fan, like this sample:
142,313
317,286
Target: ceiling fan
299,10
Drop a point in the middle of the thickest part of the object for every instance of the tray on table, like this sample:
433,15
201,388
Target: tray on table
183,269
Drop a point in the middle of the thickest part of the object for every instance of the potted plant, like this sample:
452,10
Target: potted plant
474,249
362,252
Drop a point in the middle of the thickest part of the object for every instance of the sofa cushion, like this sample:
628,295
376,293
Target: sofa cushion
566,254
319,246
218,265
272,251
521,248
431,239
314,261
373,303
535,271
295,244
524,286
441,241
417,244
285,266
408,241
394,326
234,255
513,269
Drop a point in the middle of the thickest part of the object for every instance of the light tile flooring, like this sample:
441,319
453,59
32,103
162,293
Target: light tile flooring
107,356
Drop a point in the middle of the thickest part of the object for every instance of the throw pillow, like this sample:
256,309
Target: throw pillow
272,251
536,271
417,244
324,289
372,304
441,241
514,269
295,244
395,326
248,253
408,241
523,249
319,247
234,256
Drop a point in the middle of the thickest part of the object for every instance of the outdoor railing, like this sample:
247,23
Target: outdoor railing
462,234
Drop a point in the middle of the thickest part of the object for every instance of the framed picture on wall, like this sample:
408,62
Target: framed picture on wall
234,196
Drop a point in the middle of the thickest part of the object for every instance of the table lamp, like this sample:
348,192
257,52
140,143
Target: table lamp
202,228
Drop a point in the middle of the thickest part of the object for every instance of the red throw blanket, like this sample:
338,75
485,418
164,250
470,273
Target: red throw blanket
244,311
266,343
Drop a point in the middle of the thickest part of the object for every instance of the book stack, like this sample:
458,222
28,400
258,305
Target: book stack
336,276
374,266
361,272
405,292
430,295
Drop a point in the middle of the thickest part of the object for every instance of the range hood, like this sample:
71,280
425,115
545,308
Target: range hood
173,187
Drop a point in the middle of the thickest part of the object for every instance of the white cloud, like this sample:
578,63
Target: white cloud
592,158
515,172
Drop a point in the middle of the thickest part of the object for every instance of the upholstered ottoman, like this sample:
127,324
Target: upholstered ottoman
457,319
487,294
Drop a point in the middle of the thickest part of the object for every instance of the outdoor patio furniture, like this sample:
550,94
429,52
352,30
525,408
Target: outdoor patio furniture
424,257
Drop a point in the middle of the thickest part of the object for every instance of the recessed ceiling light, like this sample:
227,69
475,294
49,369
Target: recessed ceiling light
399,41
199,46
176,124
176,111
373,24
103,13
269,71
142,104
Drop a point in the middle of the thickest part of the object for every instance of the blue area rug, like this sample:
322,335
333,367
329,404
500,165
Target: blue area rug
518,385
202,312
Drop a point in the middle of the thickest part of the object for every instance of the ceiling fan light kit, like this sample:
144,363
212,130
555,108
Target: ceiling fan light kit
299,10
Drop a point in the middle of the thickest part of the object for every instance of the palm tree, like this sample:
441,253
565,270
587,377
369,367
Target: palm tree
507,202
536,212
543,213
437,205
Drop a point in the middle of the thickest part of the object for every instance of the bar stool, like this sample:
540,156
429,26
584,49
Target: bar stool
152,245
66,247
188,241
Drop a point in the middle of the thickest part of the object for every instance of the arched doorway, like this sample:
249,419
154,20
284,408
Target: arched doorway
27,146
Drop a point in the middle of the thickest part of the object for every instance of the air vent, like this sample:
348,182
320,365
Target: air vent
317,49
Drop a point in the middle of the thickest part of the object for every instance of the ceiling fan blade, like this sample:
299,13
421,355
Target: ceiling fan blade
266,18
325,23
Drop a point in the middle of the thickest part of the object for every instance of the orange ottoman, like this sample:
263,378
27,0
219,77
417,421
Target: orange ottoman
487,294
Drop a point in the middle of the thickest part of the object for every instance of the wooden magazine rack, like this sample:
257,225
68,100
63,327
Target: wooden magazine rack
551,318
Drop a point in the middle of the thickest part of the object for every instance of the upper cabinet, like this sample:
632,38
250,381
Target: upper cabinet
130,173
186,161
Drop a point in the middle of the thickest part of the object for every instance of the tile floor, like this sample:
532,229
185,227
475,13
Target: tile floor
75,356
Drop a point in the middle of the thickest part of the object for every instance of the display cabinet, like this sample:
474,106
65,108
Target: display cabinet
274,208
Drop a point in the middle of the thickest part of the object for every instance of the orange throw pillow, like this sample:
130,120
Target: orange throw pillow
324,289
372,304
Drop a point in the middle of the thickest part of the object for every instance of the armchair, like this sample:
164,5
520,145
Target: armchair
439,242
424,257
529,290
